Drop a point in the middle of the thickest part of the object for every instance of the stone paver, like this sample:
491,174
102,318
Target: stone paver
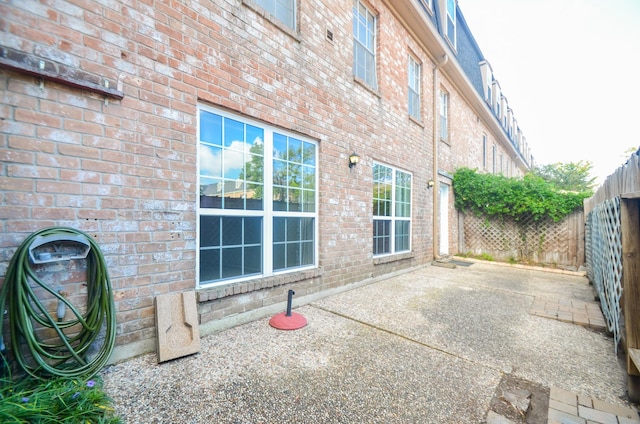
569,408
587,314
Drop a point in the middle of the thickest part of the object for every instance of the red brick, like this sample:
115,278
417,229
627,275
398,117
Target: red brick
58,187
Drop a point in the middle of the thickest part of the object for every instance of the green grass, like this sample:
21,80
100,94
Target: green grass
58,400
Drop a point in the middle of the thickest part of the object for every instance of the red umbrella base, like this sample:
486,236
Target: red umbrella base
283,322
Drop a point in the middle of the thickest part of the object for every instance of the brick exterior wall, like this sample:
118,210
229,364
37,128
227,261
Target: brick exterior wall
124,171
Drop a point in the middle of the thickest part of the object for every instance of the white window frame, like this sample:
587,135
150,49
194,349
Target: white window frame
414,77
267,213
393,218
428,4
364,44
282,10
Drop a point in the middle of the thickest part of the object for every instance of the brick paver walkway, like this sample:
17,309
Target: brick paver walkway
587,314
569,408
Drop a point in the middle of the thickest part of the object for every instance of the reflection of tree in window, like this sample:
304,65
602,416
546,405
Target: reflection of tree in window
253,175
293,175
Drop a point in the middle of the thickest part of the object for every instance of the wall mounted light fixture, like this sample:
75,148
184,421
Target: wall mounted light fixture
431,183
353,159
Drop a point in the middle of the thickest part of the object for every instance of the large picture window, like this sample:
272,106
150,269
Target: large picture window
391,210
257,209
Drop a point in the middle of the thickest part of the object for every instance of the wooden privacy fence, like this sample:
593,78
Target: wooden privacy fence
613,259
544,241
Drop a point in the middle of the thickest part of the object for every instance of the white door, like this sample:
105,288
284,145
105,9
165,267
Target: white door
444,219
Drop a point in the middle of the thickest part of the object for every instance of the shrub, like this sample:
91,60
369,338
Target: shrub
517,198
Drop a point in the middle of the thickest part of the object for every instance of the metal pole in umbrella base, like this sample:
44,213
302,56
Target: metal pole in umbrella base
288,320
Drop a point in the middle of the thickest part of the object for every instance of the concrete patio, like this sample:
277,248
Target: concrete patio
434,345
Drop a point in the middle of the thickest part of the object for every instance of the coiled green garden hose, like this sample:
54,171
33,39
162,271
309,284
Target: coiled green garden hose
69,355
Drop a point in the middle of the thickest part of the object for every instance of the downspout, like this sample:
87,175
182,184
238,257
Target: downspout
436,138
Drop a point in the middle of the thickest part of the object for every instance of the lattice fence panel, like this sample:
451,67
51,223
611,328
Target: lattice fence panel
604,261
542,241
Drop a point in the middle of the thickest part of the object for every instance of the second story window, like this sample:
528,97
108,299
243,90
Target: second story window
444,116
451,21
283,10
364,44
414,88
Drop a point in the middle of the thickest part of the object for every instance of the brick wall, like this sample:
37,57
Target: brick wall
124,171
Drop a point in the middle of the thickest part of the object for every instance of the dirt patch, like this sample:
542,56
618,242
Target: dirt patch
538,408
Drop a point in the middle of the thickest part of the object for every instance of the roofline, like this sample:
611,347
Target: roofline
417,24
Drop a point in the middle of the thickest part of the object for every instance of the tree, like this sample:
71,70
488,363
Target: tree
571,176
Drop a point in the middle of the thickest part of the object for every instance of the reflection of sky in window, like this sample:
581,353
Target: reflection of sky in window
218,159
218,162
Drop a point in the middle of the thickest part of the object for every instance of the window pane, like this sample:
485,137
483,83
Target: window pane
402,236
295,199
307,253
252,260
309,201
210,161
231,231
308,177
294,151
254,196
279,146
252,230
306,229
231,262
279,260
253,169
209,265
293,255
279,229
309,154
293,229
381,237
294,175
210,193
211,128
209,231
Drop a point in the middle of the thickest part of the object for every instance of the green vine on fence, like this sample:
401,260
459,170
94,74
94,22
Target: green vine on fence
517,198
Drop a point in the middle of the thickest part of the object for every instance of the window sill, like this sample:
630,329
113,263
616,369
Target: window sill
363,83
392,258
218,292
269,17
416,121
